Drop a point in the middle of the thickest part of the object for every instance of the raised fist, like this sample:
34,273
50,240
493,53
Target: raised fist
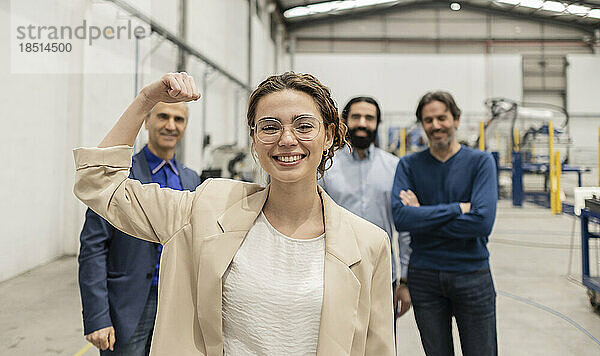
172,88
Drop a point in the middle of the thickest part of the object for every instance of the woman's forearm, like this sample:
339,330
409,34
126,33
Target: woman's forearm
126,129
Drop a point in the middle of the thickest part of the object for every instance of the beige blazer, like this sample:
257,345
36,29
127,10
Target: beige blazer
201,232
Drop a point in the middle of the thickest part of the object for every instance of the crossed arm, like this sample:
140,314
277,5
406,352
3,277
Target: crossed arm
454,220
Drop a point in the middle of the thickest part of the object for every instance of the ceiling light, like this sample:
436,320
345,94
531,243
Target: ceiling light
331,6
554,6
323,7
344,5
296,12
455,6
510,2
578,10
534,4
594,13
360,3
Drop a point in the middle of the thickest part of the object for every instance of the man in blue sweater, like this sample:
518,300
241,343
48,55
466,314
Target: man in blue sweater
446,198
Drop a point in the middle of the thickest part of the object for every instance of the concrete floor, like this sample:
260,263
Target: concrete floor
540,311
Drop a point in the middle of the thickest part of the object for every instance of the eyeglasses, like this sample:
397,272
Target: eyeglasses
305,128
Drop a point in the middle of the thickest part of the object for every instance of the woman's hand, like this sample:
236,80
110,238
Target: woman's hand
172,88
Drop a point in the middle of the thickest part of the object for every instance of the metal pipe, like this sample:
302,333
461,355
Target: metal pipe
203,142
137,59
161,30
136,143
181,60
181,65
251,6
596,41
292,44
236,117
278,46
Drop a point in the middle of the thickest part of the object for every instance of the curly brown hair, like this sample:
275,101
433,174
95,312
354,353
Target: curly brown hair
310,85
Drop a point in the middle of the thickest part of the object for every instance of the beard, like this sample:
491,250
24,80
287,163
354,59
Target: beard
362,142
442,145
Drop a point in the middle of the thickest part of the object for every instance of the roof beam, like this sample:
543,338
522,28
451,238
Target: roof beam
586,27
411,5
575,41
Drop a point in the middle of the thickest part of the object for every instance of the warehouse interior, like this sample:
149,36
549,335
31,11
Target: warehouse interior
523,73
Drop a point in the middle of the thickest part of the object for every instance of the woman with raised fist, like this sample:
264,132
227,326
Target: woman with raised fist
246,269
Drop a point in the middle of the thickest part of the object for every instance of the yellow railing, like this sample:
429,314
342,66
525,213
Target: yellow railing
557,172
551,166
481,136
403,142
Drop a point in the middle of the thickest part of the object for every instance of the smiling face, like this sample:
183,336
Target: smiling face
290,160
166,125
439,125
362,123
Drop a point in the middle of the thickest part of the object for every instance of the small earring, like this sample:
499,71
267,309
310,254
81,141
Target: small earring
325,153
255,155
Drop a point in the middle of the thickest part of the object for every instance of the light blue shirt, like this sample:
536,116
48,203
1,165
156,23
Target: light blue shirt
364,186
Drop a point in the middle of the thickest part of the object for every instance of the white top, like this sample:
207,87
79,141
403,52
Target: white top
272,294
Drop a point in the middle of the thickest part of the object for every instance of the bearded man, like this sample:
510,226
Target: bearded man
361,181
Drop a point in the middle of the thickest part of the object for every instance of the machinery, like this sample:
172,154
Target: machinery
230,161
526,138
404,140
524,127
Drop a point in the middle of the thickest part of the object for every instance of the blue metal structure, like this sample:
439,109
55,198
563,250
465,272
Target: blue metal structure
591,282
517,179
519,168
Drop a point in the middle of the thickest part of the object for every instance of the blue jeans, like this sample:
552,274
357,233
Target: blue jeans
139,343
470,297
